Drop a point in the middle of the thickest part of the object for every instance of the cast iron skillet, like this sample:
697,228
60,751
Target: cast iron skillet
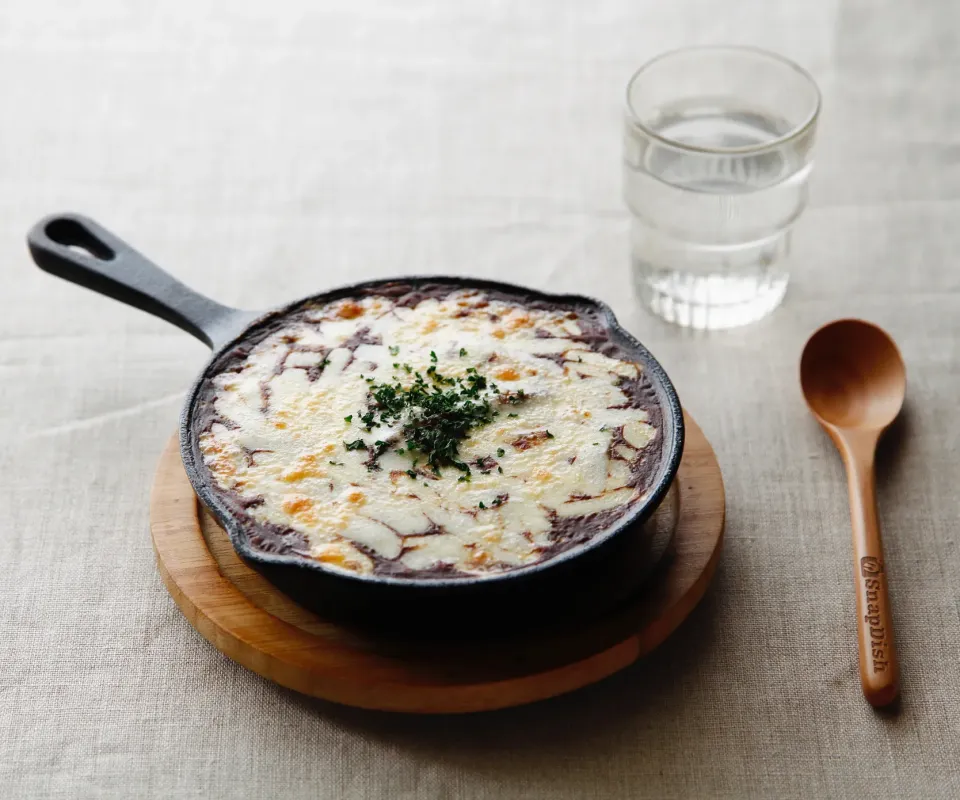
583,580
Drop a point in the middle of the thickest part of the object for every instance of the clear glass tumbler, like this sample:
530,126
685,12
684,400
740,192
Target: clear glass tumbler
717,156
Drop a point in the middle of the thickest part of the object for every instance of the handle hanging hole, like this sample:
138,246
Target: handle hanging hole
72,234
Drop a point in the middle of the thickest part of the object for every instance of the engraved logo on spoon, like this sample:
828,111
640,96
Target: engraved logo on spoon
871,568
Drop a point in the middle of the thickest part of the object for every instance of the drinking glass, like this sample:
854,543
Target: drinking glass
717,156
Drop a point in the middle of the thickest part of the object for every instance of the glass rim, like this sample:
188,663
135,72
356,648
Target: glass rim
793,133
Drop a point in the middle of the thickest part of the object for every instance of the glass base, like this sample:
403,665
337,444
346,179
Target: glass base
710,302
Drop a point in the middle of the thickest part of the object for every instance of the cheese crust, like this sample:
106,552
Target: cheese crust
572,444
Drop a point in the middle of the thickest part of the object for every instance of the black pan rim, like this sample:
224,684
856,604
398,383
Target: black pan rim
670,406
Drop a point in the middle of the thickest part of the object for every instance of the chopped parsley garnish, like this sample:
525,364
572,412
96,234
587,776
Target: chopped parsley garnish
481,505
477,383
348,418
336,463
463,352
412,474
511,414
501,452
550,435
356,444
433,357
394,349
434,418
500,470
436,376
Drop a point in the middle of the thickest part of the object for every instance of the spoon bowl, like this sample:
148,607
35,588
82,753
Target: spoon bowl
854,382
853,376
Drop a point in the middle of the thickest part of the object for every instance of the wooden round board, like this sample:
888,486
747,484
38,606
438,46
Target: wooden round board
246,618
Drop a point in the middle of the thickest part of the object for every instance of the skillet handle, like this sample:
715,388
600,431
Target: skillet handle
79,250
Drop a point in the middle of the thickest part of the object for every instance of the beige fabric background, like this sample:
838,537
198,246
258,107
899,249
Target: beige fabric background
263,151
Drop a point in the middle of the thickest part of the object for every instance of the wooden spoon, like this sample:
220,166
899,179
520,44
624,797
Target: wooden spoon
854,382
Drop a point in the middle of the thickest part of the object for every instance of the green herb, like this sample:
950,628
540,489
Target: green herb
501,452
603,428
477,384
408,368
412,474
356,444
550,435
348,418
399,451
396,365
595,444
500,470
438,378
498,500
435,419
337,463
463,352
394,349
380,448
433,357
511,414
481,505
324,363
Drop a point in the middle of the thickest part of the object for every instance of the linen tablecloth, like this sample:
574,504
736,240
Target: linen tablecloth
263,151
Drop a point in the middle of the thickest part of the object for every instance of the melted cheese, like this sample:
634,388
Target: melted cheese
287,410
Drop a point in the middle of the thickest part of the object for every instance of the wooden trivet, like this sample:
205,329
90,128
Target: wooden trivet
253,623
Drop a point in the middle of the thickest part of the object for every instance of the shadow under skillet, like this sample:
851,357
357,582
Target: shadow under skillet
591,717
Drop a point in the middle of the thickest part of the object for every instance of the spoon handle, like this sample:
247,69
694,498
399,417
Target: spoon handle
879,669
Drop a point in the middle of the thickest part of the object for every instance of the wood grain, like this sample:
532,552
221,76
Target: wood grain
251,622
